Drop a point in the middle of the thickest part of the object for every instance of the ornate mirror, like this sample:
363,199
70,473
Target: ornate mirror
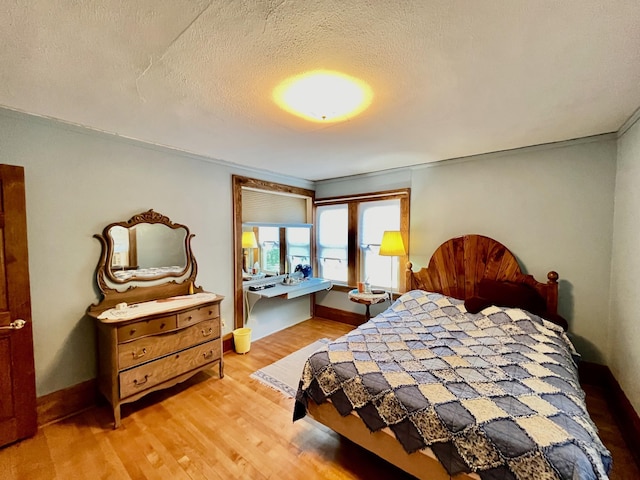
148,250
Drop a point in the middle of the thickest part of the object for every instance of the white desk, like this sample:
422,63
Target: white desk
305,287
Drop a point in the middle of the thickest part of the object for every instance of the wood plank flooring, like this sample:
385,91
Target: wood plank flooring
236,427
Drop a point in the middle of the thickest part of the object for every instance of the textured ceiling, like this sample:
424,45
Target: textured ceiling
451,78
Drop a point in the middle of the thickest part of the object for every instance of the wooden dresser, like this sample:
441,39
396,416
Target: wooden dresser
155,327
157,350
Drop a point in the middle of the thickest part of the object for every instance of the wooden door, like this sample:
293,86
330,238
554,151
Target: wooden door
17,374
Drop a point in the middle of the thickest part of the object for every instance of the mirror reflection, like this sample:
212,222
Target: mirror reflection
274,250
147,251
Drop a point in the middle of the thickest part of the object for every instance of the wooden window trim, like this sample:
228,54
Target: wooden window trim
353,252
239,182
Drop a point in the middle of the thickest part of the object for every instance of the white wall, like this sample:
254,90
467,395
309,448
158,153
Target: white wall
552,206
269,315
624,327
78,181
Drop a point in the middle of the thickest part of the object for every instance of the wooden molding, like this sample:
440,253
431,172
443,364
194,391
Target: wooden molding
68,401
238,183
342,316
593,373
72,400
625,415
227,342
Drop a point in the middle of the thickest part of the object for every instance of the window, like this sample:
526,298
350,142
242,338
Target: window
273,258
374,219
298,247
333,226
269,240
349,232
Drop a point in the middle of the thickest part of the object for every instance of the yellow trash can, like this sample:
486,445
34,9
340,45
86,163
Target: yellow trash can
242,340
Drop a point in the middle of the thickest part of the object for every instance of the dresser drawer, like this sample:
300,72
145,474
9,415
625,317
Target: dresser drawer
198,314
148,327
153,373
148,348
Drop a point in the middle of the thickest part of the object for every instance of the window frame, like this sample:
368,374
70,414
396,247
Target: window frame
239,184
353,238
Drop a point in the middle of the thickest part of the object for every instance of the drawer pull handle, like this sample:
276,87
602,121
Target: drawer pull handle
162,325
189,318
132,331
206,333
137,382
139,355
208,355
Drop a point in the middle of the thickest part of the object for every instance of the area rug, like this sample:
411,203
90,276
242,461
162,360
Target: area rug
285,374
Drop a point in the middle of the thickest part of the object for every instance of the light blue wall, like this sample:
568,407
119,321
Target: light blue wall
552,206
78,181
624,327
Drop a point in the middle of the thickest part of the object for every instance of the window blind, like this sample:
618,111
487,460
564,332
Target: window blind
270,207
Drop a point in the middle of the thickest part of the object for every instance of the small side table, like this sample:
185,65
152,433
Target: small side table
367,299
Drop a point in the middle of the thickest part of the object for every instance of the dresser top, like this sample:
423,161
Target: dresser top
164,305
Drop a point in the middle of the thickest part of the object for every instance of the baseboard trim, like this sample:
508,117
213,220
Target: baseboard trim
227,342
77,398
342,316
623,412
66,402
593,373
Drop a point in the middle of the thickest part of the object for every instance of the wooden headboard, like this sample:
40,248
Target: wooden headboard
459,264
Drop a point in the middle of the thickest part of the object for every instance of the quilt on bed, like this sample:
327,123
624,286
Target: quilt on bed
494,393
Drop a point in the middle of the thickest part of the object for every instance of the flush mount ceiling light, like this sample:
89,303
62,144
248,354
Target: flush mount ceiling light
323,96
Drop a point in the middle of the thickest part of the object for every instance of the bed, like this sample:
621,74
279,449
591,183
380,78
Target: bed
456,380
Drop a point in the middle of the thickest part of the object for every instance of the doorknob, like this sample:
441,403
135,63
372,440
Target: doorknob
15,325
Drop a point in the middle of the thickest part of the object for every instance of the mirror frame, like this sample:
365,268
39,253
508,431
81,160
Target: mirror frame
142,289
152,218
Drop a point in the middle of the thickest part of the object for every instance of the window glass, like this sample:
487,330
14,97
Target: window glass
333,226
374,218
349,231
298,247
269,240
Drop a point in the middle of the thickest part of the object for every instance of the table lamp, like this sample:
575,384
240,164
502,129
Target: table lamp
249,242
392,246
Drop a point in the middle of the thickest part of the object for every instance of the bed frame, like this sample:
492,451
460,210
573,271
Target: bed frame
458,265
423,465
455,269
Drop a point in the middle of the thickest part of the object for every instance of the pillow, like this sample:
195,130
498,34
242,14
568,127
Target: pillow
515,295
555,318
475,304
506,294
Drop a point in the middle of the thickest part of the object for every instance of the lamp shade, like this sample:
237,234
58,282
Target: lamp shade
392,244
249,240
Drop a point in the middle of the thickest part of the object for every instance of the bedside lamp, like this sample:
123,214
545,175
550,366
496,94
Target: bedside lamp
392,246
248,242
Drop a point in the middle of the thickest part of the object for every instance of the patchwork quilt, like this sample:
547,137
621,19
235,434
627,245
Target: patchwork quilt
494,393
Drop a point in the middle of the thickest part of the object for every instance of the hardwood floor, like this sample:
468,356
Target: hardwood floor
236,427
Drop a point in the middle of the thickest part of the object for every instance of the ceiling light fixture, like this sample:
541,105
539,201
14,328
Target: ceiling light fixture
323,96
